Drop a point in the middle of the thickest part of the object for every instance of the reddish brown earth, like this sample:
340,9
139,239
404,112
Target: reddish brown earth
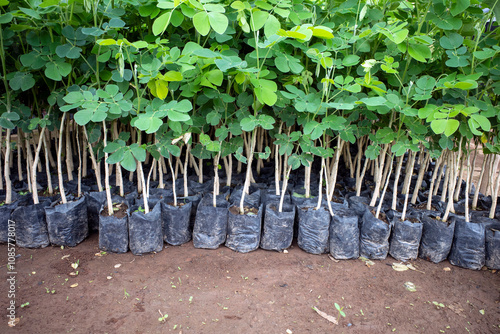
221,291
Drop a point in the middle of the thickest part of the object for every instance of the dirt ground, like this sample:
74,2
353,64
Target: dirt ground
221,291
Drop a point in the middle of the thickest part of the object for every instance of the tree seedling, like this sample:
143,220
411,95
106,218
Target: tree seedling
140,209
163,318
25,305
341,313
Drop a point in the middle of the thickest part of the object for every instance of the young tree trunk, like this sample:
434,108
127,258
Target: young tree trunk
446,180
277,165
106,171
409,172
33,170
161,183
334,171
200,168
216,179
494,195
458,187
388,178
320,185
420,178
286,174
1,144
173,179
29,163
453,174
379,168
396,182
248,173
153,168
77,135
53,163
188,149
479,182
307,180
433,179
59,162
8,182
96,166
69,153
19,146
85,157
407,188
47,167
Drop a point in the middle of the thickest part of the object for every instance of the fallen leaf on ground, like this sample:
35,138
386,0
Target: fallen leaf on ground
328,317
73,273
73,285
74,265
410,266
285,251
481,311
65,256
455,307
366,261
118,265
399,267
333,259
109,277
447,269
288,331
410,286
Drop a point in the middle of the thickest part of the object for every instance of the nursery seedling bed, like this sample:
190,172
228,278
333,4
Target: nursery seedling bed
214,291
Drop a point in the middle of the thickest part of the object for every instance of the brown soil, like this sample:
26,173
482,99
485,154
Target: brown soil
178,204
119,210
221,291
381,216
236,210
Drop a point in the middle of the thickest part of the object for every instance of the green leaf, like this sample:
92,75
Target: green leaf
116,157
258,19
6,18
128,162
419,52
446,126
215,77
482,121
458,6
452,41
272,26
84,116
374,101
111,147
218,22
139,152
248,123
22,80
177,116
201,23
350,60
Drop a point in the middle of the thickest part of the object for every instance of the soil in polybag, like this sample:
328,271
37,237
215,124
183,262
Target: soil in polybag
437,238
405,237
468,249
210,225
177,229
95,201
314,229
67,224
113,230
344,234
145,230
31,227
243,230
277,229
374,236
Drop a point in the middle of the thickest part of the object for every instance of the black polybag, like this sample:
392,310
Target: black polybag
437,238
5,213
405,237
67,224
277,230
243,231
314,229
492,246
113,231
177,229
31,227
374,237
145,230
467,250
344,234
210,225
95,201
